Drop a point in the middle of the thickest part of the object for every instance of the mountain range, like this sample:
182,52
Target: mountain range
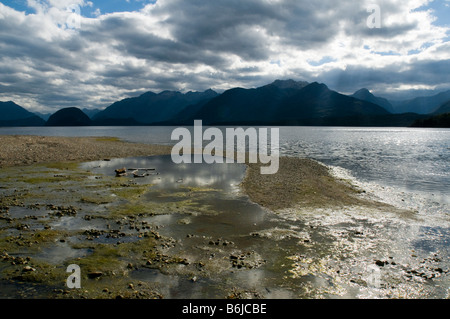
283,102
151,108
422,105
12,114
311,104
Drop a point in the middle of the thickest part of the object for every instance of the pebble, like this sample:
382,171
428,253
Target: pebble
28,269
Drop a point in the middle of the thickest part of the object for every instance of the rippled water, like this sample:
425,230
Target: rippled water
416,160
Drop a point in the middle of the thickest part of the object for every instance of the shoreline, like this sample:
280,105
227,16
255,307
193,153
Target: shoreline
299,181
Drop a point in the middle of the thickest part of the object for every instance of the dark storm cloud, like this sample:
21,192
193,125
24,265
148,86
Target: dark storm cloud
433,73
244,28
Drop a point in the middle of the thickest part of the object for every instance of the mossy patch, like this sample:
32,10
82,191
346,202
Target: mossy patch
105,258
299,182
132,191
107,139
29,241
72,166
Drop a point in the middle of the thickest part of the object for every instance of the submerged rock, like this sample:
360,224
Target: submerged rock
121,172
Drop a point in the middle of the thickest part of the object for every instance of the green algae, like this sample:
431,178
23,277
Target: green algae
107,139
132,191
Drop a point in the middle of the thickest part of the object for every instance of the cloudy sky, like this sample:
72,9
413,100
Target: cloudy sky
61,53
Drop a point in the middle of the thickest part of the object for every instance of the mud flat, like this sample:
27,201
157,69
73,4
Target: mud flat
199,231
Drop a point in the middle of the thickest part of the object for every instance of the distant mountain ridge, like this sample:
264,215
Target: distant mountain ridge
422,105
241,105
12,114
282,102
365,95
151,108
444,108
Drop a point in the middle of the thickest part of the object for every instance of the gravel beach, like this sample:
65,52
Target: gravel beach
26,150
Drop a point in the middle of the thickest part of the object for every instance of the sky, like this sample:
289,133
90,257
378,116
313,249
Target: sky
89,54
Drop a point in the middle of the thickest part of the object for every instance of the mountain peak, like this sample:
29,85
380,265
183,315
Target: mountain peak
289,84
147,94
10,111
362,92
317,86
365,95
169,93
70,116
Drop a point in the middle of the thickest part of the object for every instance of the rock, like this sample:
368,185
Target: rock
121,172
381,263
95,274
28,269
